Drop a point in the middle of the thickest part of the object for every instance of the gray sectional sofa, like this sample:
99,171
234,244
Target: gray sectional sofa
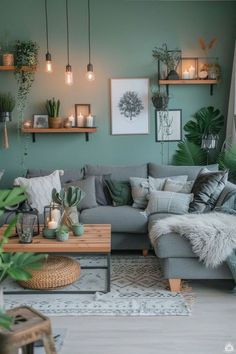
130,227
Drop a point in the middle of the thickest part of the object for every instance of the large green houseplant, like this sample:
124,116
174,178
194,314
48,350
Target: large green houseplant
14,265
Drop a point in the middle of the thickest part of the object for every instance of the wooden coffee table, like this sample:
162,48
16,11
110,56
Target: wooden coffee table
96,241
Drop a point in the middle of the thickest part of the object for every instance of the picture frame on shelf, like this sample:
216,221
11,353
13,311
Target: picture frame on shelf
129,106
168,125
82,108
40,121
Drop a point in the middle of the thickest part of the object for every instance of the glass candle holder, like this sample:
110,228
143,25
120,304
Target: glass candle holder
25,227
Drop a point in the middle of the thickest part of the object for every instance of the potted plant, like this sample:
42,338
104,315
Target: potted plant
53,108
170,58
7,52
160,99
14,265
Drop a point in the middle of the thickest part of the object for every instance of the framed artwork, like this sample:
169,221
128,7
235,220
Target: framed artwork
40,121
129,106
82,108
169,125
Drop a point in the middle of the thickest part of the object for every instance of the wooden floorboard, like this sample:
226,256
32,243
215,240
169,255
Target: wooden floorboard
211,325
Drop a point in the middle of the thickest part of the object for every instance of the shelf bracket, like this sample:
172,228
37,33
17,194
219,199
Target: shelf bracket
33,138
211,89
87,136
167,90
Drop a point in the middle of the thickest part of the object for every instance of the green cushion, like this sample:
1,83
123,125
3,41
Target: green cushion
120,192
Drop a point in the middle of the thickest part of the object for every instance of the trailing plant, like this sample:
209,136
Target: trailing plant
53,107
7,102
14,265
170,58
26,53
160,100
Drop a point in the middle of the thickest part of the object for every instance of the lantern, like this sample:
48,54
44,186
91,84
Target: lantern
27,223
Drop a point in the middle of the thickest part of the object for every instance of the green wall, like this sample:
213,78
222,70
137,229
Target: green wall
123,35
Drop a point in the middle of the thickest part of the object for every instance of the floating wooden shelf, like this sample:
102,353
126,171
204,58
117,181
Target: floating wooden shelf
13,68
34,131
189,82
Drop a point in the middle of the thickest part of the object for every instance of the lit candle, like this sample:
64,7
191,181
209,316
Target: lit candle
80,120
52,224
27,124
89,121
72,120
56,215
192,72
186,75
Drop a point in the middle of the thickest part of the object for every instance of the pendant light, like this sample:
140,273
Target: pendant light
68,73
89,74
48,67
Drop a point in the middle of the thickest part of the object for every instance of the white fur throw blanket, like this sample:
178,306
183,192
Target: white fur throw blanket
212,236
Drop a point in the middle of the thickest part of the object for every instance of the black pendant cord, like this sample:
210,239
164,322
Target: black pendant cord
67,30
89,36
46,18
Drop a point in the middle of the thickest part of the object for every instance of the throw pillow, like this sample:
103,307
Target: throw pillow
88,186
39,189
120,192
207,189
178,186
139,190
168,202
157,184
102,193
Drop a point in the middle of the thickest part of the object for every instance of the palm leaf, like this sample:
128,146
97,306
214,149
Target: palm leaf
206,121
5,320
189,154
9,197
227,161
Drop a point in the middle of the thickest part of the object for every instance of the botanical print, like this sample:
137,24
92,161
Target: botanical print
168,125
129,106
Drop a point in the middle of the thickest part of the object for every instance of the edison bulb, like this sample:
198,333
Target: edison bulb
90,76
68,75
48,67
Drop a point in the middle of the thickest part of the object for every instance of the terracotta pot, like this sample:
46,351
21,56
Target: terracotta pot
55,122
8,59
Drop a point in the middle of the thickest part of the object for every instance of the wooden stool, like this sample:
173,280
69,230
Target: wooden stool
29,326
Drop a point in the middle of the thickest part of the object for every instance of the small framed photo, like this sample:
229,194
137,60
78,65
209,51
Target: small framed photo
169,125
129,106
40,121
83,109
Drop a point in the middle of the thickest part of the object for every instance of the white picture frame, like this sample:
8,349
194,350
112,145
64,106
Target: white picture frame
40,121
129,118
169,125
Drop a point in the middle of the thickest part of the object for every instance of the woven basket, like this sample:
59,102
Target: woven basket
57,272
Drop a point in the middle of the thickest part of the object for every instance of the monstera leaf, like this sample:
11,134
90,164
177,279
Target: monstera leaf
189,154
206,121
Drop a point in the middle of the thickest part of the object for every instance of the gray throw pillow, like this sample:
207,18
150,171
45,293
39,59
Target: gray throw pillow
157,184
139,190
88,187
168,202
102,193
178,186
207,189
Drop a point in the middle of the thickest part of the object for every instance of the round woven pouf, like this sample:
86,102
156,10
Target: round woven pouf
56,272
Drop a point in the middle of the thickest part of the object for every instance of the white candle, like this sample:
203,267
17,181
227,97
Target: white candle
80,120
89,121
192,72
56,215
52,224
71,119
186,75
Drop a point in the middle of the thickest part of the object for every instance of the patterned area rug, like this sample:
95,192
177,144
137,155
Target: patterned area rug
137,289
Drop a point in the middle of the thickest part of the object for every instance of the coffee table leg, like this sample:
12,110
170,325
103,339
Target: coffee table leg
108,272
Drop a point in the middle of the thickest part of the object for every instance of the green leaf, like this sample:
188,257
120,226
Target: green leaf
189,154
227,161
5,320
9,197
19,274
206,121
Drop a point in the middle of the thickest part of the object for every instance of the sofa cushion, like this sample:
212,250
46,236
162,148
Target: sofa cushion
159,171
139,190
68,176
121,173
102,194
120,192
207,189
88,187
122,218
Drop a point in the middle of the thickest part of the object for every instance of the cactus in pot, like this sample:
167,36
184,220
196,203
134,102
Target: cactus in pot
69,199
53,109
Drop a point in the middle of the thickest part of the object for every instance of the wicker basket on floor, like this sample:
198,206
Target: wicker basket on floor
57,272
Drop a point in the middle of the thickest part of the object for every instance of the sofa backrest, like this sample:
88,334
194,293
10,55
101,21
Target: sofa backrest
121,173
160,171
69,175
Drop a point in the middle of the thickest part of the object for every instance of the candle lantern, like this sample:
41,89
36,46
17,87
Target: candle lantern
52,216
189,68
27,223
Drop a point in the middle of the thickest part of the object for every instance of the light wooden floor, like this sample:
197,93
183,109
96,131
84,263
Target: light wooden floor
211,325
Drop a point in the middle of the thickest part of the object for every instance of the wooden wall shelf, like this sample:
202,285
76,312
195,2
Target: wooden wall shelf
13,68
189,82
35,131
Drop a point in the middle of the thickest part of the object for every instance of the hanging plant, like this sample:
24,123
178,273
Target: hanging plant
26,53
